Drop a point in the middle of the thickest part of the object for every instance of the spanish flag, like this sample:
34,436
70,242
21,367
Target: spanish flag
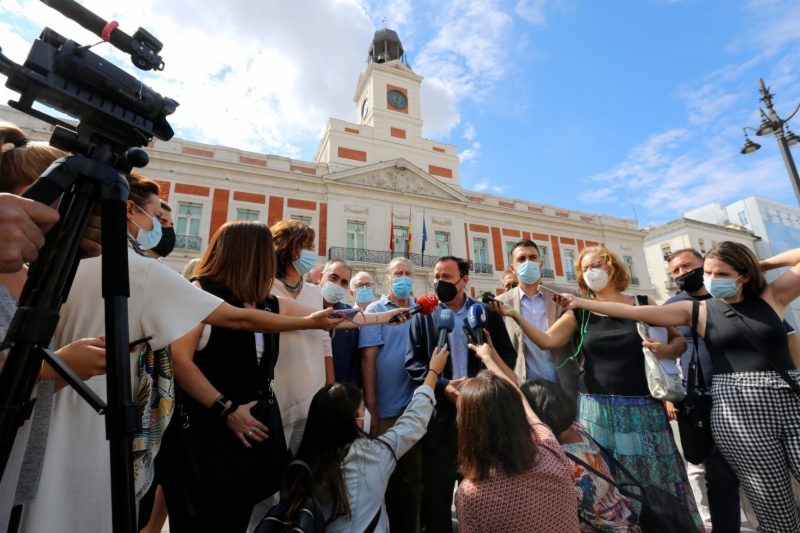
410,249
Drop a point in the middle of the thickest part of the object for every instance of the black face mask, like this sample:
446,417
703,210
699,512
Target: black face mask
445,291
691,281
167,242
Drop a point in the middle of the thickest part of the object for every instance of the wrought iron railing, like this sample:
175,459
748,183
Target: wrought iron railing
187,242
570,275
379,257
634,280
481,268
548,274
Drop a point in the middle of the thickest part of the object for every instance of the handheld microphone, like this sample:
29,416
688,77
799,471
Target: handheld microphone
425,305
478,319
445,324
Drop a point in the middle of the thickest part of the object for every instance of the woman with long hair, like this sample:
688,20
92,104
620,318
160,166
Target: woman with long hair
351,469
754,410
516,477
616,407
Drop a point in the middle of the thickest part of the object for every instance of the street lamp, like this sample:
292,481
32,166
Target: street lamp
771,123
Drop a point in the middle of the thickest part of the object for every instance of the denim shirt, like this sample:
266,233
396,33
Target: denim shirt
369,464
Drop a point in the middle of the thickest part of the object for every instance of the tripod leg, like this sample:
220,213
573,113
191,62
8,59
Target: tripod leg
122,414
74,381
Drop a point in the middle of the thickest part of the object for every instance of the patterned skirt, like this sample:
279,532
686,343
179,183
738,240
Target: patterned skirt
636,429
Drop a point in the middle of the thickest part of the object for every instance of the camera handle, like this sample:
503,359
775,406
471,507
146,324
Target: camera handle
82,183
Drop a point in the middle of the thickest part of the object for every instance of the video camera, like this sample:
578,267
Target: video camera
112,107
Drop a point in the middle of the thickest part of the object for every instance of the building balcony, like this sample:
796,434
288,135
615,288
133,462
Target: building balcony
570,275
481,268
634,280
187,242
379,257
548,274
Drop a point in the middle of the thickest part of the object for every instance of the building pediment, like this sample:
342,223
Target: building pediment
399,176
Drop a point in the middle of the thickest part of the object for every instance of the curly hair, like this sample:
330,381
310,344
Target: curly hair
618,275
290,237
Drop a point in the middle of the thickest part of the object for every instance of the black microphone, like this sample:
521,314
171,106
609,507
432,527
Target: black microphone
445,324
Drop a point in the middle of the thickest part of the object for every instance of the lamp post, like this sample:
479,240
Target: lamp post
771,123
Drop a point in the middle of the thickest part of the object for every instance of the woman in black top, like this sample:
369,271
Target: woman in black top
616,407
755,417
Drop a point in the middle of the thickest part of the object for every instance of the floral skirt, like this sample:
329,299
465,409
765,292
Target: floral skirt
636,430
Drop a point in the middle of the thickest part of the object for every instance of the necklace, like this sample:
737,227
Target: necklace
290,287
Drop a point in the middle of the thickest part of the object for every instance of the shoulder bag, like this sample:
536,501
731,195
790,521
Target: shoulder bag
694,413
662,384
753,338
661,511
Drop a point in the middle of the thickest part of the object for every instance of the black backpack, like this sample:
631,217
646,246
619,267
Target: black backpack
307,519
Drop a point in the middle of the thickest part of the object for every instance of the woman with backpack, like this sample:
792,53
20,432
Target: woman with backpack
756,395
616,407
350,468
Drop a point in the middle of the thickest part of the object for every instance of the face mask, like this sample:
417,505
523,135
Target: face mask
721,287
445,291
364,295
596,279
401,287
305,262
333,293
367,420
148,238
528,272
167,242
691,281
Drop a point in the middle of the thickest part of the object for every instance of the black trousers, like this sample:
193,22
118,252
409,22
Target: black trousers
439,475
723,494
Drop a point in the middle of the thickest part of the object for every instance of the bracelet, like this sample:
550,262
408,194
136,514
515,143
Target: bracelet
234,406
218,406
435,372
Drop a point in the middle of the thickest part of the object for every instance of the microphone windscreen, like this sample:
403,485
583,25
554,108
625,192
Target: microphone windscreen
478,316
446,320
429,302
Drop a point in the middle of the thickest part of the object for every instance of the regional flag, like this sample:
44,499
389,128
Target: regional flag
424,235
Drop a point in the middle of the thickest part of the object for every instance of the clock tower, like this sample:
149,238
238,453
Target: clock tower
388,121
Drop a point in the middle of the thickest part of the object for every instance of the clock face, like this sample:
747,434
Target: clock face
397,99
364,108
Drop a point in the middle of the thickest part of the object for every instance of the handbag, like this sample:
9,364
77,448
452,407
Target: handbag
753,338
663,385
694,413
661,511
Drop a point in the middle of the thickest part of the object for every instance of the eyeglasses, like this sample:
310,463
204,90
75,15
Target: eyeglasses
510,286
596,264
363,285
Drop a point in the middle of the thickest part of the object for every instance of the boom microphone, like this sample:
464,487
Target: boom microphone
445,324
478,320
425,305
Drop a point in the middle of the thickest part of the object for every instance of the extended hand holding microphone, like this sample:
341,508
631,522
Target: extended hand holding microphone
478,318
445,324
425,305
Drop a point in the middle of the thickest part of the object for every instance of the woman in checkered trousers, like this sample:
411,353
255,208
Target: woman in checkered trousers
755,417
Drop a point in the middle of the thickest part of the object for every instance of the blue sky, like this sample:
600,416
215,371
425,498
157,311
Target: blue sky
574,103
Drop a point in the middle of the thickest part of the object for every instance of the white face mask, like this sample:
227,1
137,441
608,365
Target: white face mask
367,420
596,279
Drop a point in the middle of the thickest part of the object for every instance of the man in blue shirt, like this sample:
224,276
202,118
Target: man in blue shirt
334,283
440,444
388,390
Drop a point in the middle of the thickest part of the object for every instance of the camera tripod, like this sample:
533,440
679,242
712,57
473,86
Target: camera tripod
82,183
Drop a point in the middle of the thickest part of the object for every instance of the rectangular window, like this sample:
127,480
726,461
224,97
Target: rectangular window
628,260
400,240
246,214
442,244
479,246
304,220
702,245
569,264
355,235
189,217
666,249
545,259
509,248
743,218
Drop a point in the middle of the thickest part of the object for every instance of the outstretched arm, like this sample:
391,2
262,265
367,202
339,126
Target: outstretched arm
676,314
555,337
290,307
786,288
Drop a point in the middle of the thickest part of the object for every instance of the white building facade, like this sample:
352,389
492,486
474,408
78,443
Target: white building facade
365,175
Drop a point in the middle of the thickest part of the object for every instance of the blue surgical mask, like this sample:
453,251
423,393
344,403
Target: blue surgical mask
528,272
148,239
333,293
402,287
364,295
305,262
721,287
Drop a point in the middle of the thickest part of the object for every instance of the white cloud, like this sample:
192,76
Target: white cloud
531,10
486,185
470,153
469,132
598,196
